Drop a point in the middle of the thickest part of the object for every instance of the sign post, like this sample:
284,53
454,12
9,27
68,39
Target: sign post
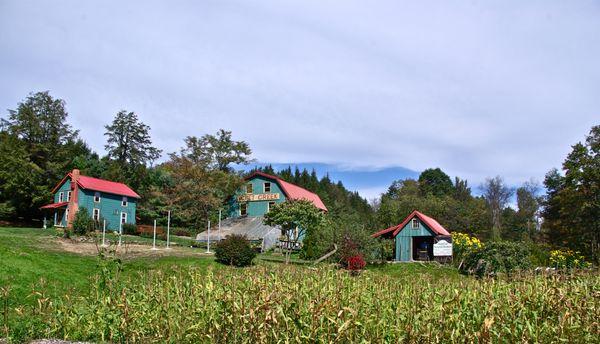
104,233
208,239
120,231
168,229
154,238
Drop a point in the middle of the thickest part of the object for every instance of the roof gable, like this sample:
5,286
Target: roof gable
429,222
292,191
102,185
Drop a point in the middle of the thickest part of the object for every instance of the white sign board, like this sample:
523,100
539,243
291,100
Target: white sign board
442,248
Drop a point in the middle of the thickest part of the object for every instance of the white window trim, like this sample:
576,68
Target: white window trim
412,223
124,201
269,205
265,187
68,196
99,197
61,197
96,214
123,222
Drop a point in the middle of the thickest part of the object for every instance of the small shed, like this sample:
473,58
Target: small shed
418,238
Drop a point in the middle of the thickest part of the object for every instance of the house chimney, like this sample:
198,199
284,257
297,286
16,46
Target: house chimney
73,205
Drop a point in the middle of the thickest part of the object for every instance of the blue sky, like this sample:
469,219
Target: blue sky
367,90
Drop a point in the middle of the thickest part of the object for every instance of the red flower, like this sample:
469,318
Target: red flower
355,263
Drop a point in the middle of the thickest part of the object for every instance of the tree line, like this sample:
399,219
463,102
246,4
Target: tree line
38,147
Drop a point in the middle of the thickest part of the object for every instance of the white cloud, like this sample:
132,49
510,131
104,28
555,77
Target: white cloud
478,89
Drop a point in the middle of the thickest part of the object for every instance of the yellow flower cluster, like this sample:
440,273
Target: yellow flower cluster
465,242
568,259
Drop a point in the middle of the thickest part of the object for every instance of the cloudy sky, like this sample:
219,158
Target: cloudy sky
370,90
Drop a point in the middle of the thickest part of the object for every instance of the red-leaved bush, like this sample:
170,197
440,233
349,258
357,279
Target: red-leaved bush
355,263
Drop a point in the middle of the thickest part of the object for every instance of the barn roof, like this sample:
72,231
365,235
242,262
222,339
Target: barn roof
292,191
102,185
428,221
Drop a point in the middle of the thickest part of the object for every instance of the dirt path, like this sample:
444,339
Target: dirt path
127,250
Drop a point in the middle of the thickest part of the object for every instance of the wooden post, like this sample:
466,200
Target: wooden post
168,229
154,240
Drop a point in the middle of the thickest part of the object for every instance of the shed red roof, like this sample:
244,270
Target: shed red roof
292,191
54,205
428,221
102,185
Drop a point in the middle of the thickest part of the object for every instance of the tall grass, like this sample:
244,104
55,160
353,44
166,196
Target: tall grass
295,304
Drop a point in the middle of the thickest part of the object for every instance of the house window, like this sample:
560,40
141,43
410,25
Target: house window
271,204
96,214
96,197
243,209
124,201
68,196
123,218
248,188
267,187
61,196
415,224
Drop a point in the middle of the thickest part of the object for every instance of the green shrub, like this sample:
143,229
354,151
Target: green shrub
181,232
497,257
234,250
129,228
83,223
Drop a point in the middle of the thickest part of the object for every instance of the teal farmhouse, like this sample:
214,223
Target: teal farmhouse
419,238
251,202
104,200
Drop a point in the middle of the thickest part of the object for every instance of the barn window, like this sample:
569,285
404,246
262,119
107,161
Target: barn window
267,187
271,204
96,197
61,196
249,188
415,224
123,218
68,196
243,209
124,201
96,214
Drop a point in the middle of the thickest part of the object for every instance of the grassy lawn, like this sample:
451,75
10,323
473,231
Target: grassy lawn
29,256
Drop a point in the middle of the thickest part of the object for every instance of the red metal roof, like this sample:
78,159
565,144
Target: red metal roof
54,205
292,191
107,186
97,184
428,221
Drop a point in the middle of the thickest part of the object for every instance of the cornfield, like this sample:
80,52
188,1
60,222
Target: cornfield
266,304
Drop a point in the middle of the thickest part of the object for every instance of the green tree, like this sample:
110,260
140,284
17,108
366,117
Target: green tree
128,141
433,181
528,203
572,205
297,218
39,147
217,151
497,194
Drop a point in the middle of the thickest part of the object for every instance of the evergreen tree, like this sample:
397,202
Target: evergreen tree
433,181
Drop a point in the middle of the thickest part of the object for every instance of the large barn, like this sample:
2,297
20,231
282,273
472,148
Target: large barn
252,201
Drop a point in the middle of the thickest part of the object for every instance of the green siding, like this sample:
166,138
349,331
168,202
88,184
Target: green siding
404,240
109,205
256,208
